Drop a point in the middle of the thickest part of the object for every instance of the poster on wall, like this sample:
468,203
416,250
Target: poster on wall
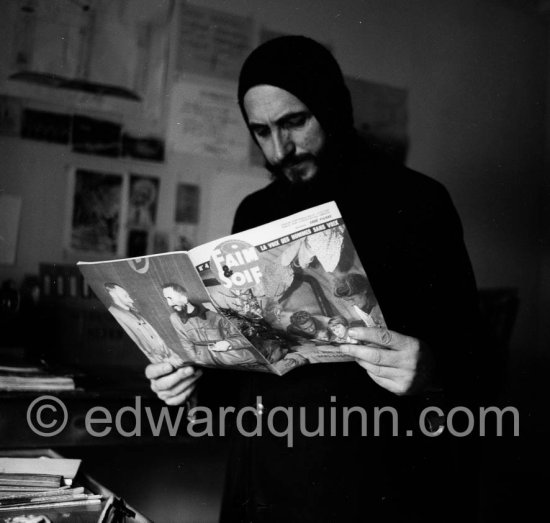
150,148
98,55
46,126
212,43
96,208
94,136
49,37
143,194
205,120
142,201
187,203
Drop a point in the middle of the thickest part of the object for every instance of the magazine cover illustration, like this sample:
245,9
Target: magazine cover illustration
293,287
162,305
268,299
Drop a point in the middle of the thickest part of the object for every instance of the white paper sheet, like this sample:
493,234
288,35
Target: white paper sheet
206,120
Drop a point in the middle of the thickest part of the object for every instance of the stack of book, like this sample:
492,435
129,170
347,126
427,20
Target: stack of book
41,483
34,377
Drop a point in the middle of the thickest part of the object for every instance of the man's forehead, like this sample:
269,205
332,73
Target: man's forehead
268,103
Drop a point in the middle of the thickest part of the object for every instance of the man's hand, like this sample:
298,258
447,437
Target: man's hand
398,363
172,385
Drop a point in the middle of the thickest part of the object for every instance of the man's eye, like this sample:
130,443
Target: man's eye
261,132
295,121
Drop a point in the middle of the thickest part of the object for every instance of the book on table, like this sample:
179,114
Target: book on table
41,483
36,377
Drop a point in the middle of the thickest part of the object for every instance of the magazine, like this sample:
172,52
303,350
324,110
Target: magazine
268,299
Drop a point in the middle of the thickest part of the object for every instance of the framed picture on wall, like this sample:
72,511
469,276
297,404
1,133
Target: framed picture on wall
95,214
142,201
187,203
142,213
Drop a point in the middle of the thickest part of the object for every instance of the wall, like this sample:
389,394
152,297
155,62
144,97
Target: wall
476,76
544,295
40,173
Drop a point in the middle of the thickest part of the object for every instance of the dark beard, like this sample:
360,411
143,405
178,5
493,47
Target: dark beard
183,314
281,170
327,161
198,310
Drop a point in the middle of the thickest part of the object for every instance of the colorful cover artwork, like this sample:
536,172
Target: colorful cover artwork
269,299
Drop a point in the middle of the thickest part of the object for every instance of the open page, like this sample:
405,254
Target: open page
293,287
162,305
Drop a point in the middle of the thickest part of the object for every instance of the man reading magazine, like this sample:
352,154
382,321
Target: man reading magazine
409,238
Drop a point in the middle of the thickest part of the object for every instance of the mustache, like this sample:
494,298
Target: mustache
278,169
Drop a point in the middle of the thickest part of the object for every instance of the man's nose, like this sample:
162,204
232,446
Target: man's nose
282,145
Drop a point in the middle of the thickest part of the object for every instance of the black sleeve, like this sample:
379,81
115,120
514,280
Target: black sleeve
448,302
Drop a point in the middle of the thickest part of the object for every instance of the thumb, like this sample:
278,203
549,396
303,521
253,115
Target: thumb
378,335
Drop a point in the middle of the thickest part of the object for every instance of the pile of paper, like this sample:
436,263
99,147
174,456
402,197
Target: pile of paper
41,483
13,377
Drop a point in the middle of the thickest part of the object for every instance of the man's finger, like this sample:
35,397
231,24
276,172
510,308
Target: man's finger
388,384
180,398
179,387
171,380
373,370
374,355
380,336
378,371
388,378
157,370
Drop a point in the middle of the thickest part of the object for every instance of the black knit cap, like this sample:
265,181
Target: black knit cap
306,69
